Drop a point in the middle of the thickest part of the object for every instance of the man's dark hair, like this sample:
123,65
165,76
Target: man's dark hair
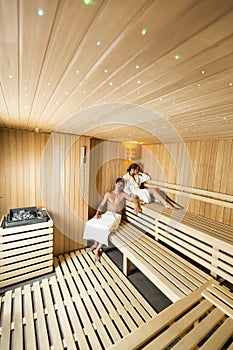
120,179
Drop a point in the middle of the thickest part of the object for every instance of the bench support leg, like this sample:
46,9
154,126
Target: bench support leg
214,256
126,265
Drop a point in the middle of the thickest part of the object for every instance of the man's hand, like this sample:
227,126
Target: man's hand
97,215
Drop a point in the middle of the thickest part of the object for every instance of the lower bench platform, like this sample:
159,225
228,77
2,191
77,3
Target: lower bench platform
176,254
202,320
82,306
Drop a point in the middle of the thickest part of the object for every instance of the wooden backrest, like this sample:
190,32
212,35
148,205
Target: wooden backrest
201,240
222,199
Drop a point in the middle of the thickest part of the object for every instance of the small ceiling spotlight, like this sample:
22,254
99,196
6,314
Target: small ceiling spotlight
144,31
40,12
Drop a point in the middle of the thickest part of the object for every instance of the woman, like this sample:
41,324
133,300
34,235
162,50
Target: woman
134,178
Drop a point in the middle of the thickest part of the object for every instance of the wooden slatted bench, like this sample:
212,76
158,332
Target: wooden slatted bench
158,256
211,197
82,306
202,320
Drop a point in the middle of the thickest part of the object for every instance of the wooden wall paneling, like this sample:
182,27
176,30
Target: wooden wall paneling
65,177
35,168
60,186
5,173
32,168
203,166
208,173
192,152
218,174
225,174
229,213
68,190
107,163
196,162
18,171
14,171
172,171
27,155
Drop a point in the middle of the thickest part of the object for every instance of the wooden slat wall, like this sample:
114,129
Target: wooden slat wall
40,170
107,162
21,152
211,169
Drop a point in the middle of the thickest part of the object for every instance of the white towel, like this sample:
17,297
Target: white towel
99,229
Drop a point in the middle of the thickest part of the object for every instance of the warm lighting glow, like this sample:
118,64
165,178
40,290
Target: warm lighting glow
40,12
144,31
88,2
132,151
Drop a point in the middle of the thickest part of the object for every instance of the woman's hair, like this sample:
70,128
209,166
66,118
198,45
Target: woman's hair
133,166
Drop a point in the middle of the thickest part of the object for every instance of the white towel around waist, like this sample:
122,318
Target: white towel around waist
99,229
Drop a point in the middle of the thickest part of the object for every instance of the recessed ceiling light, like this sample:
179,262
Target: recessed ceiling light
40,12
77,71
49,83
203,72
110,83
177,57
105,70
88,2
10,76
144,31
198,85
98,43
230,84
137,66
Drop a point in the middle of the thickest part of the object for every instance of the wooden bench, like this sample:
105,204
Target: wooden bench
201,320
172,251
221,199
82,306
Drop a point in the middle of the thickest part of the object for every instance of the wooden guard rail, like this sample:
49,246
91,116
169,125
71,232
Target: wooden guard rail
211,197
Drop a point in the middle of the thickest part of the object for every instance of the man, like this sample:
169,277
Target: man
99,227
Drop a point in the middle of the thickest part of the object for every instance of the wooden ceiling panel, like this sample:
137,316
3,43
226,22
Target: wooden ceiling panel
90,65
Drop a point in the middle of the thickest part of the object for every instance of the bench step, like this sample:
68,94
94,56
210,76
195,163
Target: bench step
193,322
82,306
173,275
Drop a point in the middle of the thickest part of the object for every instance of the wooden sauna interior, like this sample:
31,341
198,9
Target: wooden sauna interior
87,87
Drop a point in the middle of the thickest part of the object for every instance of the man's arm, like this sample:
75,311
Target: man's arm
133,198
101,205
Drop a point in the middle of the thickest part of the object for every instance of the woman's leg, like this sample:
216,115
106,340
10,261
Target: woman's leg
164,199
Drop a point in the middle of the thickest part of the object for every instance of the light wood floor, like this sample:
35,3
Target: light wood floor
82,306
